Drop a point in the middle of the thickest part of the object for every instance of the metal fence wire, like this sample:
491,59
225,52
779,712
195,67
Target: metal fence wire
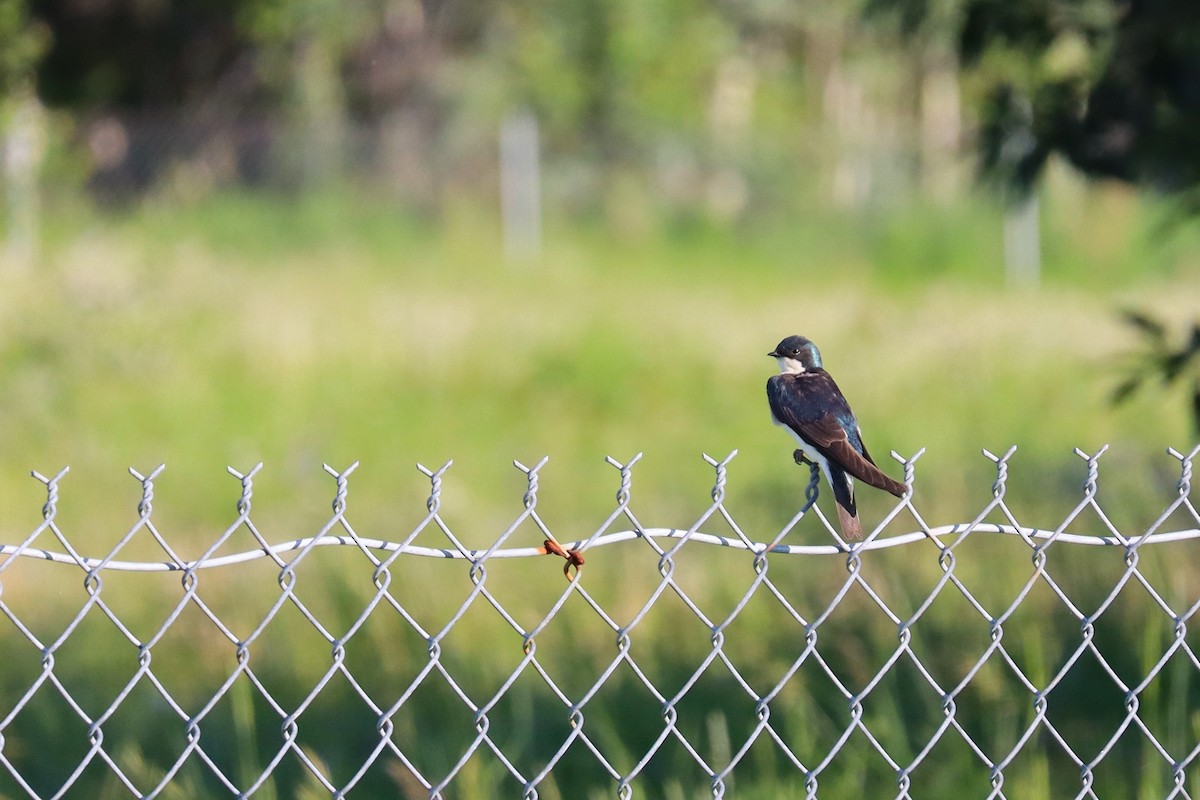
987,658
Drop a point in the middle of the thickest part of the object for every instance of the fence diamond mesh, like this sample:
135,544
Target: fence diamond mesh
987,658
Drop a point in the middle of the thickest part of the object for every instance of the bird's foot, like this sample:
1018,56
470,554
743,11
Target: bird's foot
801,459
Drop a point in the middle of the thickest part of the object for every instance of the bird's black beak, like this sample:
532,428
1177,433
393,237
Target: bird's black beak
773,354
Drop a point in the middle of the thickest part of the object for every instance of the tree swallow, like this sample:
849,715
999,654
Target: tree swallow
805,400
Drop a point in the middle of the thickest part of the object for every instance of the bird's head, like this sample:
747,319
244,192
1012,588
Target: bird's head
796,354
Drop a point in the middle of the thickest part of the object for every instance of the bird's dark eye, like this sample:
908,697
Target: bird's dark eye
795,351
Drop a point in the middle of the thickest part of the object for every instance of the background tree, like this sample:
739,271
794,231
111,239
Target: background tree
1113,87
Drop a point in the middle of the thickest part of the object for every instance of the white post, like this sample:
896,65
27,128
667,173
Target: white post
520,187
24,143
1023,242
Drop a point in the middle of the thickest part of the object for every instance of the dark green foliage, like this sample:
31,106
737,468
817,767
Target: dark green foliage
1163,361
1110,86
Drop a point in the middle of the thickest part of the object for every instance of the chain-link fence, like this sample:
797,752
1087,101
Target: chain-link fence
988,658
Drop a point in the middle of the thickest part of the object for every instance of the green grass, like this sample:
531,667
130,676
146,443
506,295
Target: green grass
335,328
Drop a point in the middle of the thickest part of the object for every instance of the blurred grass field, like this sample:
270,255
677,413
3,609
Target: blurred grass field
248,329
334,328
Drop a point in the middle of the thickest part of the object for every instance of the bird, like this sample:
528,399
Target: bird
805,400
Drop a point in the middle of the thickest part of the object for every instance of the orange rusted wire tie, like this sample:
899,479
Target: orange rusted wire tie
573,557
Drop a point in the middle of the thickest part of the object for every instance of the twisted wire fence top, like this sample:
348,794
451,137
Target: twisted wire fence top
779,695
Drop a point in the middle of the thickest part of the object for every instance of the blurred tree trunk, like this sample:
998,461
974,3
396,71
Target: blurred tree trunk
845,115
302,47
941,124
319,108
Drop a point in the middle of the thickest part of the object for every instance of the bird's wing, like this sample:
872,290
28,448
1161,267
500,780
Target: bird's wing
817,411
861,466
